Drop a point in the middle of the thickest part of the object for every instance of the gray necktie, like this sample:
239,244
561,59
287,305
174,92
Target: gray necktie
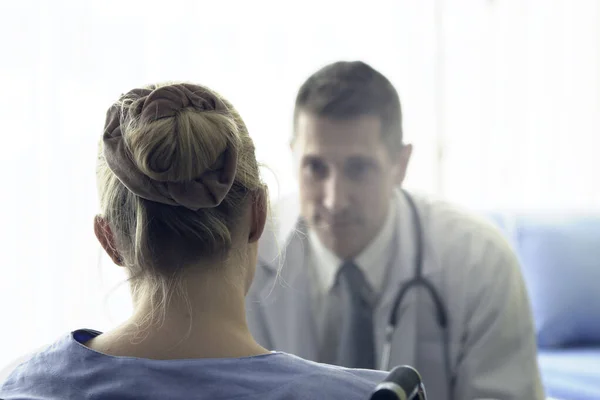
348,337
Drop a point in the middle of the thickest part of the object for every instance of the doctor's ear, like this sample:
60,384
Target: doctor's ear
107,240
402,160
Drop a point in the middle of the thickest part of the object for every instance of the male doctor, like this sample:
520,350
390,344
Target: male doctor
333,264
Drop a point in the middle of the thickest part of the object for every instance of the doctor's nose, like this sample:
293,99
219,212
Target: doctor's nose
335,196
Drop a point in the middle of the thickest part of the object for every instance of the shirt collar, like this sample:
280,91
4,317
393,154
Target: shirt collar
373,260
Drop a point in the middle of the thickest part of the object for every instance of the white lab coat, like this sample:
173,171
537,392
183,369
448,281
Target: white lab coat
492,342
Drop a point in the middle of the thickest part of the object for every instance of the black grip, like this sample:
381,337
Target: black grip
402,382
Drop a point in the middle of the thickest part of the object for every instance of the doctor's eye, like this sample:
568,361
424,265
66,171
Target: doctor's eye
358,168
315,168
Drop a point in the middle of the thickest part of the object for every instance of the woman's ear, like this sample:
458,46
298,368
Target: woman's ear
107,239
259,215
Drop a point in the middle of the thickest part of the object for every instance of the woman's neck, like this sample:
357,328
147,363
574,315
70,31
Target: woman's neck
208,322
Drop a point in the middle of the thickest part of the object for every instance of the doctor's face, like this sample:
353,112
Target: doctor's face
347,178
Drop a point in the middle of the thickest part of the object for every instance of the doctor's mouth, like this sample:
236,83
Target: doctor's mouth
336,226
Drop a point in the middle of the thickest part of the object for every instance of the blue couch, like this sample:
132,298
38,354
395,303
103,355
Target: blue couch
560,257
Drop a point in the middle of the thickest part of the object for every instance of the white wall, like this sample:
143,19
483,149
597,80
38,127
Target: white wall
522,104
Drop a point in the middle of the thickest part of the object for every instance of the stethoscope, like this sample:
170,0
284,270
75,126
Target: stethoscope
418,280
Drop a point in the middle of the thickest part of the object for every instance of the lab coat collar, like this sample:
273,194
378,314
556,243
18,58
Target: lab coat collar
401,270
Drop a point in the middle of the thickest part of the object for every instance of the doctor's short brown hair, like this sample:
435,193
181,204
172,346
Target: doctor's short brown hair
350,89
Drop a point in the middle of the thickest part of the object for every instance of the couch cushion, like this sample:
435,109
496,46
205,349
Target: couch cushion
560,256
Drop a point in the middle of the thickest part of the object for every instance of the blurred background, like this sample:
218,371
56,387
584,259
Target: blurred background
501,99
